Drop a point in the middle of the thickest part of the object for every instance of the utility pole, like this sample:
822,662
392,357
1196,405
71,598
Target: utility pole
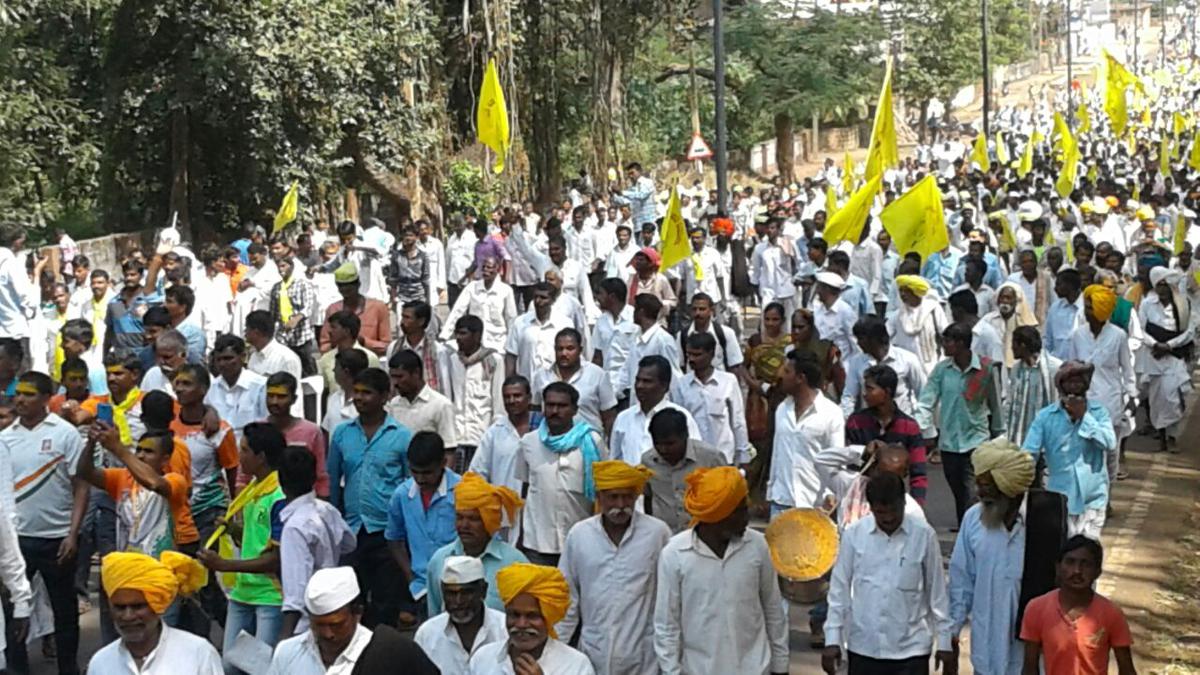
719,113
1136,15
1070,74
987,71
1162,34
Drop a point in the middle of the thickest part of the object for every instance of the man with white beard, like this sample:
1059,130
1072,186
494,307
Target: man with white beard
452,637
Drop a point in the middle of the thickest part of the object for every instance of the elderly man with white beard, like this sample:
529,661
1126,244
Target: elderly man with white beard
452,637
1004,555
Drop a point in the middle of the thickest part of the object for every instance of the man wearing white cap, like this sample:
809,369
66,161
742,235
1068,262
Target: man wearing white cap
1169,322
336,643
451,638
832,317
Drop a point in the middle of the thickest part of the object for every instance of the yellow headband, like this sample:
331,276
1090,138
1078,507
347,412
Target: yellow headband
27,388
279,390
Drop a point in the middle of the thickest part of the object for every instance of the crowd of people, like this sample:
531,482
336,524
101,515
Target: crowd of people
288,442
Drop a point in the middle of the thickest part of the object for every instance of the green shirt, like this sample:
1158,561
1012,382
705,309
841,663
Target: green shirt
963,425
257,589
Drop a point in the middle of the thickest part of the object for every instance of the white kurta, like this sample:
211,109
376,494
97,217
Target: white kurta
1166,379
1113,381
300,655
442,644
612,593
177,652
557,659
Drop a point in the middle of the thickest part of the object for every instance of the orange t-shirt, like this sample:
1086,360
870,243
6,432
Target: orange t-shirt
181,463
143,520
1078,647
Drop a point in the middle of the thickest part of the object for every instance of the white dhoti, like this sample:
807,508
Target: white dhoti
1167,385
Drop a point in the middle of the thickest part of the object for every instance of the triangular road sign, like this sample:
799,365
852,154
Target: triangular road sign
698,149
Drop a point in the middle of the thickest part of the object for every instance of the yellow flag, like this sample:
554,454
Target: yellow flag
1093,174
1026,164
1061,131
1001,149
1179,122
847,224
287,210
916,220
1194,155
830,201
1164,156
847,174
1146,119
1117,81
883,152
491,117
979,153
1180,237
1008,240
1084,118
1037,136
1070,168
674,237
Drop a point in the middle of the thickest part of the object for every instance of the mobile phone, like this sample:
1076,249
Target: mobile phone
104,413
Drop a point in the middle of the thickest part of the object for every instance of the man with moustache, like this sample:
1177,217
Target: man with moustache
535,598
452,637
610,562
1004,556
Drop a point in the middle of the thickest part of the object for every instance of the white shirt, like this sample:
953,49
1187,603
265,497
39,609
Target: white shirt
442,644
475,391
772,270
340,409
732,351
719,615
12,563
495,307
712,273
18,296
275,357
836,324
240,404
595,392
155,380
1113,381
43,461
655,341
617,263
613,339
556,498
532,341
314,537
435,253
299,655
888,595
557,659
460,254
720,413
428,411
613,587
576,283
795,479
581,244
178,651
631,430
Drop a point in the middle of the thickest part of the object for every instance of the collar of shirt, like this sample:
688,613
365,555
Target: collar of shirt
50,420
296,504
165,637
389,422
695,543
345,661
973,365
245,380
449,480
650,333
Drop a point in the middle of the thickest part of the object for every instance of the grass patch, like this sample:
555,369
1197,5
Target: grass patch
1174,623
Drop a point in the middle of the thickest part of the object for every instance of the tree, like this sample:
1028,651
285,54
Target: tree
821,66
941,52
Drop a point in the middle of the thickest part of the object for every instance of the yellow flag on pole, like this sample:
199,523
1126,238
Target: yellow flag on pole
831,204
1001,149
1084,118
979,153
288,208
674,237
1194,155
1180,237
1026,164
883,152
1164,156
847,174
491,117
1070,166
847,224
1117,81
1179,122
916,220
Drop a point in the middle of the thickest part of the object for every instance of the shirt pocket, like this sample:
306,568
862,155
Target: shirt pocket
909,577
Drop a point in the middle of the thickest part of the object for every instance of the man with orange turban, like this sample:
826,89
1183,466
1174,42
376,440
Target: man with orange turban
139,590
610,562
481,511
717,576
1102,343
535,598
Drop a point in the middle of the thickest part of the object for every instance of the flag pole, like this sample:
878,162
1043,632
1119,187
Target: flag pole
719,111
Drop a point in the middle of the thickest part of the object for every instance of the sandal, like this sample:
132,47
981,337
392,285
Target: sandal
935,457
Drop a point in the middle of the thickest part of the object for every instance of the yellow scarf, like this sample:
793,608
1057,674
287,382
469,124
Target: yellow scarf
285,302
698,268
120,415
99,309
253,490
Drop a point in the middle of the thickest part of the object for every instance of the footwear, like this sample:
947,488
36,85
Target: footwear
1122,474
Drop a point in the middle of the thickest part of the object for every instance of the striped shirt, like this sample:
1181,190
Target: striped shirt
863,427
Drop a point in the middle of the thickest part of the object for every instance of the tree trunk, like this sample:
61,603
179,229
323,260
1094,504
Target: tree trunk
785,150
541,54
180,151
922,126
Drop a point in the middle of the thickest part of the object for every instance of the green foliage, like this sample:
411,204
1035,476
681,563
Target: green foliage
466,189
941,49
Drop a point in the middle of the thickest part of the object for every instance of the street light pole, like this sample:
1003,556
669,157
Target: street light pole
1136,14
1070,74
987,72
719,112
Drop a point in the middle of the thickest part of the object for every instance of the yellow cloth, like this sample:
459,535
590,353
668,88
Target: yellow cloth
1001,149
697,267
1117,80
847,176
1026,163
917,221
918,285
713,494
544,583
285,302
848,222
1010,467
492,501
159,581
979,153
121,415
491,117
99,312
287,208
673,234
1103,300
884,152
615,474
252,491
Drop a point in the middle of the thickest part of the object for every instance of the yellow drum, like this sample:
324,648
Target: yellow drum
804,546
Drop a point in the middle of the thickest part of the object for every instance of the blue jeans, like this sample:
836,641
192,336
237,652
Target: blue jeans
261,621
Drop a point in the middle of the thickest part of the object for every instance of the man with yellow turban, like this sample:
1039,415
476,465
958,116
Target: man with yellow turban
716,579
481,511
535,598
139,590
1105,345
918,320
610,562
991,577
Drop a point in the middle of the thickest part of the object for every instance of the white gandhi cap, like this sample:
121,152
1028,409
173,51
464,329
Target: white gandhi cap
462,569
330,589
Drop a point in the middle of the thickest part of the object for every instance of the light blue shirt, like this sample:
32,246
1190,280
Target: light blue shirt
1075,454
988,564
1061,320
939,271
963,425
858,296
372,468
991,277
498,555
424,530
